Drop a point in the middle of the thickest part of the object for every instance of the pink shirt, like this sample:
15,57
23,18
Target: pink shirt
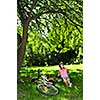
63,72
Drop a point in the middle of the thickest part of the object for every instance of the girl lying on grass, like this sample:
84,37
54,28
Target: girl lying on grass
63,72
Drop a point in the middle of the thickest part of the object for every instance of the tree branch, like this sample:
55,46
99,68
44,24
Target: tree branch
72,8
30,13
55,11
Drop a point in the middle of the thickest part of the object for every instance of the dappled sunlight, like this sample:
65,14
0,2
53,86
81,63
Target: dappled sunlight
27,89
49,32
72,67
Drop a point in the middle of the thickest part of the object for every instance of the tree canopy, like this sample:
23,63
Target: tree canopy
52,31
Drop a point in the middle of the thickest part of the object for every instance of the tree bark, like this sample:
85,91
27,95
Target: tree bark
22,47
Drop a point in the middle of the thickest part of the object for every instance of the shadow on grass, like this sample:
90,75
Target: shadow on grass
26,90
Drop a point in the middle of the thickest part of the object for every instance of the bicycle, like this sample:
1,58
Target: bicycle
45,87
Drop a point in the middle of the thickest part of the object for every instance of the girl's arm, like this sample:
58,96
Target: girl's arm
67,70
58,74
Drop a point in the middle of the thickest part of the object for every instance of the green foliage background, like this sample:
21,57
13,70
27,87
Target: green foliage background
55,32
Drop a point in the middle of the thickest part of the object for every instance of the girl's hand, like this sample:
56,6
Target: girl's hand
58,74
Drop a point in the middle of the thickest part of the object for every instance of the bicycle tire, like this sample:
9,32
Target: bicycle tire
54,88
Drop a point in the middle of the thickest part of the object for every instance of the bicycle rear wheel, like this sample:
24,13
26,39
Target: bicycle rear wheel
48,91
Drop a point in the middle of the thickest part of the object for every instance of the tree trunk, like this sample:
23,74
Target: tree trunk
22,47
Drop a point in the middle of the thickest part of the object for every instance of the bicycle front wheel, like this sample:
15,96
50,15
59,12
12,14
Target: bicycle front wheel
48,91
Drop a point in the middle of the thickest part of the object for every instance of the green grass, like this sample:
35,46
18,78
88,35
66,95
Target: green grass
27,90
53,67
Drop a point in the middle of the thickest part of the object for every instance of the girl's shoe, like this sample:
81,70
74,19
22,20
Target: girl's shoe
70,85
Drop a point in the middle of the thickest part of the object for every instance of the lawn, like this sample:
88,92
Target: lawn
26,90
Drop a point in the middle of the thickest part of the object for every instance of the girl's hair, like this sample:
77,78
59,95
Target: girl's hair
61,63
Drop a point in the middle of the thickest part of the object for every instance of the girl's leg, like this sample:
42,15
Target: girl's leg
68,80
65,81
